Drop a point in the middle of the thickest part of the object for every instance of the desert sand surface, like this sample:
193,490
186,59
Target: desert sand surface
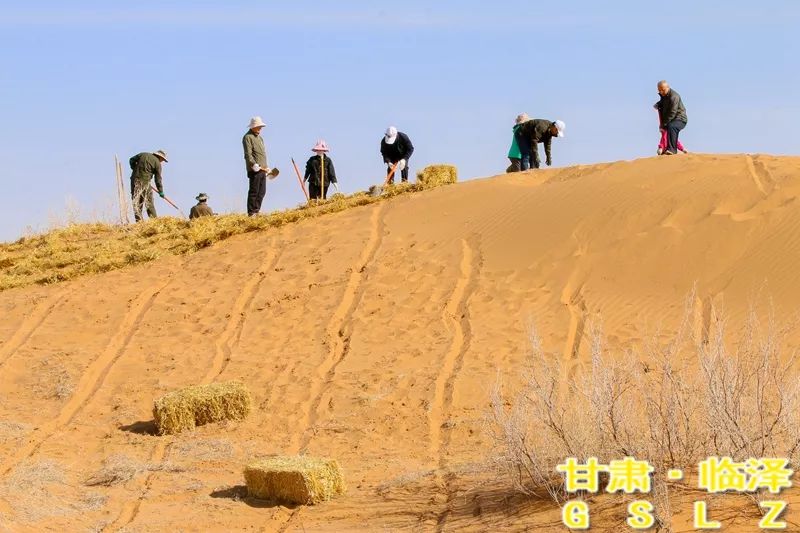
372,336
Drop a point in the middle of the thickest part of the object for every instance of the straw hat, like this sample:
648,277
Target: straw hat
256,122
321,146
391,135
202,197
523,117
162,154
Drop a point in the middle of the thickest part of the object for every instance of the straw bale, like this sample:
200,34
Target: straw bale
201,404
436,175
298,480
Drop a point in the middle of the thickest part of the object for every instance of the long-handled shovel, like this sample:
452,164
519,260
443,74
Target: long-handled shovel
391,174
300,179
170,202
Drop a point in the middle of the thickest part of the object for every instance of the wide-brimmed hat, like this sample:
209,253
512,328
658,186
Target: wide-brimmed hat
321,146
522,117
256,122
391,135
202,197
162,154
560,126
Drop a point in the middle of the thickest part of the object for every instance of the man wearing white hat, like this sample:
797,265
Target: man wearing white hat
255,157
396,148
536,131
146,166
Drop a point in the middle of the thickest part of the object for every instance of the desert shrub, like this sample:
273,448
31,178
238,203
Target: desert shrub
673,403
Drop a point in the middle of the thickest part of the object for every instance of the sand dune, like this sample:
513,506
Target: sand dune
371,336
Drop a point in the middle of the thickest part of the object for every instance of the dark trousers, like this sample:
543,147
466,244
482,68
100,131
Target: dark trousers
515,166
257,191
673,130
403,173
314,192
528,158
142,195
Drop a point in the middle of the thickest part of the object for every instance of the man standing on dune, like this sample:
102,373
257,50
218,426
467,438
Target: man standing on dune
673,115
144,167
255,157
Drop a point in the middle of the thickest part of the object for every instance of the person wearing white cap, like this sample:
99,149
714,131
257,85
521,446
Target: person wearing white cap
255,157
396,148
146,166
319,172
536,131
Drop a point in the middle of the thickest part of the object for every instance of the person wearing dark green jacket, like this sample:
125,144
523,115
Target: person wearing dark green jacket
255,159
144,167
536,131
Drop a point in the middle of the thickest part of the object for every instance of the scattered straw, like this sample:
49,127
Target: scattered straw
202,404
80,249
299,480
118,469
436,175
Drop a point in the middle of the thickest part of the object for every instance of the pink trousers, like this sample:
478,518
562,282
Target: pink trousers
663,144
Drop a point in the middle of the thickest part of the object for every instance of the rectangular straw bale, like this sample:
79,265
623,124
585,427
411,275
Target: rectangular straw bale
298,480
201,404
436,175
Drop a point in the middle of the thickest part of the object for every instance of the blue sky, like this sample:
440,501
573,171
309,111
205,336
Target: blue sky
88,80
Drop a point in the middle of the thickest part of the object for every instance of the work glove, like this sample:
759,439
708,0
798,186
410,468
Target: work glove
549,162
401,165
161,194
256,167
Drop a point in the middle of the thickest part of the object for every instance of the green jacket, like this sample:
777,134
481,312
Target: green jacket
146,166
514,152
255,153
202,209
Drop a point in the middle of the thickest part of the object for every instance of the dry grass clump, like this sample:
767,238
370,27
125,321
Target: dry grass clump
436,175
118,469
201,404
299,480
80,249
672,403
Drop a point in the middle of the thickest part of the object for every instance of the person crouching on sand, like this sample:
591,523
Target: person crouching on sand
319,172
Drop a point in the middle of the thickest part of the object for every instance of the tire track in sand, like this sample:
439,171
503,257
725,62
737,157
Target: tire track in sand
223,350
91,379
456,315
30,324
339,331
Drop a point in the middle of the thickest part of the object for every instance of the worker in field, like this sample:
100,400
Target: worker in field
396,149
514,153
672,114
255,157
144,167
202,209
538,131
319,169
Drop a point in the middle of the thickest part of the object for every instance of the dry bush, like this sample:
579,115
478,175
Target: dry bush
31,490
673,403
80,249
118,469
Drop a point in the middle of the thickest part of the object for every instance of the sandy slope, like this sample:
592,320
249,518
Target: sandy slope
371,336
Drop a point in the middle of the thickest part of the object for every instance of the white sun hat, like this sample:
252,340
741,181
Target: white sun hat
256,122
391,135
560,126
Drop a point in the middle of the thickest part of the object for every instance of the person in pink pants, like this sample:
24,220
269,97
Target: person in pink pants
662,145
